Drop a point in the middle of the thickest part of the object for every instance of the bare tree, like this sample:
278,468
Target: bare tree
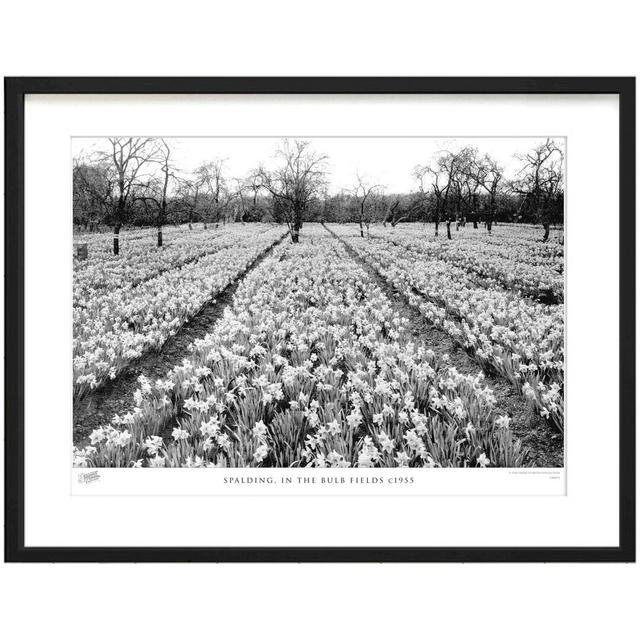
243,199
489,175
126,158
378,208
247,195
365,193
187,198
209,193
156,190
422,173
200,188
299,178
475,172
443,175
93,192
540,182
465,185
402,208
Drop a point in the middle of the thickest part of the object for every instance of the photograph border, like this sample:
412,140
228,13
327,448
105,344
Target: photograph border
15,91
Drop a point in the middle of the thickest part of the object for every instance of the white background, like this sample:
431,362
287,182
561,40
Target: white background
53,517
397,38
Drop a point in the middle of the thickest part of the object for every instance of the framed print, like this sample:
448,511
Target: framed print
320,319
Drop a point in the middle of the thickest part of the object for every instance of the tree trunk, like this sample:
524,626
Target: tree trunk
116,239
492,212
546,231
361,230
296,224
449,229
160,237
437,225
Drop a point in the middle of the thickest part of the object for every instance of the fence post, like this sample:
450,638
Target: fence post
82,251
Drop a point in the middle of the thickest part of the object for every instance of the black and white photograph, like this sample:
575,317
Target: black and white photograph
319,302
388,317
320,320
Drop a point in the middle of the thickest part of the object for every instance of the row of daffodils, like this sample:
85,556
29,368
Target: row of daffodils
519,338
507,258
142,236
309,366
115,324
141,259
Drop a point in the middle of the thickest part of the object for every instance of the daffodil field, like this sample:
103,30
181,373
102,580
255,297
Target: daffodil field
312,363
125,305
486,313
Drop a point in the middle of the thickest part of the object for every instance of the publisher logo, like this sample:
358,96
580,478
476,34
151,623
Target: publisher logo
88,476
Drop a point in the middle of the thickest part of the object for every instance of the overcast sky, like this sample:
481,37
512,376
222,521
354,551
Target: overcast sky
386,161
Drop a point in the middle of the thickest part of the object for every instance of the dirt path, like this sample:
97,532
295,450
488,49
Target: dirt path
543,441
116,396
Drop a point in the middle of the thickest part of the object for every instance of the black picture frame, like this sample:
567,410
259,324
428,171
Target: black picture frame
15,91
